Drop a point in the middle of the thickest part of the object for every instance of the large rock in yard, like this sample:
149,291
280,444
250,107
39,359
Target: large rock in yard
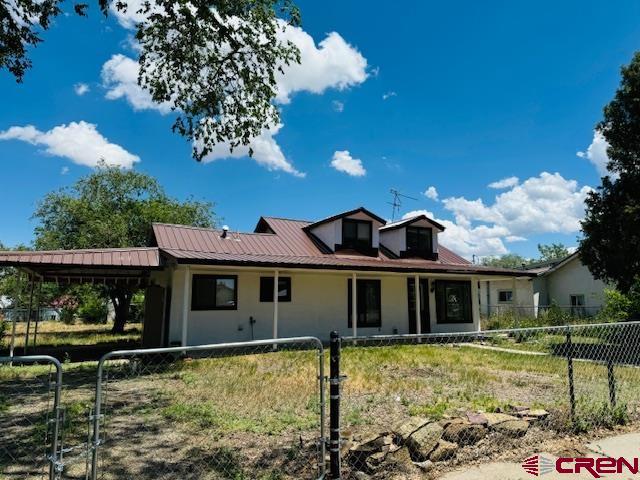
464,433
406,429
444,451
512,428
367,454
422,442
398,462
496,418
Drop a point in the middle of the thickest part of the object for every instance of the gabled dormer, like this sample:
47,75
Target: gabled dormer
415,237
353,231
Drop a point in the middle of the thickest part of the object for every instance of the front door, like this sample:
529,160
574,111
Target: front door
425,324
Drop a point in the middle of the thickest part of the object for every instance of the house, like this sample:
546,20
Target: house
352,272
565,282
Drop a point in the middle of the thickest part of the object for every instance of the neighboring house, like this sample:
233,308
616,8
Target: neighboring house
564,282
207,285
21,314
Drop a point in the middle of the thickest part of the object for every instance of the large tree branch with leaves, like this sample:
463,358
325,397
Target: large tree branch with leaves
213,61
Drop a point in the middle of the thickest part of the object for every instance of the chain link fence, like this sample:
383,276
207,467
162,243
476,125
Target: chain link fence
228,411
29,408
421,405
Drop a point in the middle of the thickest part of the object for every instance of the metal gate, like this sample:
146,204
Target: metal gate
29,417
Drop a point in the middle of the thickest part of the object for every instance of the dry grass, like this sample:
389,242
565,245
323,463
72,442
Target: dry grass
53,334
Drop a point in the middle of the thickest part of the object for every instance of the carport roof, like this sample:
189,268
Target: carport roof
125,258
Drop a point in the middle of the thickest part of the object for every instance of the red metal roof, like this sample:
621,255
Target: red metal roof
104,257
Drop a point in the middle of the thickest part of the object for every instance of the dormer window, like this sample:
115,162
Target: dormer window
356,234
419,240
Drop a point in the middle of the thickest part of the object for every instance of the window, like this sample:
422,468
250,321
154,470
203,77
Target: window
577,305
266,289
356,233
368,303
453,301
505,296
419,240
214,292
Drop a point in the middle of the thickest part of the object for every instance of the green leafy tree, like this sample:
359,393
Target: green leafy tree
508,260
112,208
553,251
611,225
214,61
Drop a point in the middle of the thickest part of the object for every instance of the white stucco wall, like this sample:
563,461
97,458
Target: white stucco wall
574,278
523,296
318,305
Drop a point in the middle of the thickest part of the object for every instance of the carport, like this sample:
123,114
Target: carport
126,267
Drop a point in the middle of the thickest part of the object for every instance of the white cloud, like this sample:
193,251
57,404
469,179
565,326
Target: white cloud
81,88
266,152
431,193
547,203
505,183
120,78
342,161
80,142
597,153
333,63
388,95
338,106
64,170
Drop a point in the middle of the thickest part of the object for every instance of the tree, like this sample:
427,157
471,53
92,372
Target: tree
611,225
553,251
214,61
112,208
508,260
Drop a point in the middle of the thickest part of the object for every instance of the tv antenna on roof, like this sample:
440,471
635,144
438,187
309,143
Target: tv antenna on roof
397,202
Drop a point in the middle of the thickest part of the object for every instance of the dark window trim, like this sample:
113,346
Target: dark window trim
267,295
504,291
422,251
441,302
214,278
357,221
361,281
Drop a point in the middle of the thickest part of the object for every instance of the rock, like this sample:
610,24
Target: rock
398,462
424,466
477,418
422,442
538,413
445,422
374,461
404,430
372,443
361,476
444,451
464,433
519,408
496,418
512,428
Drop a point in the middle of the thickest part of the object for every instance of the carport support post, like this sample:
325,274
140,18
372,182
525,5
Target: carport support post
16,308
334,405
26,335
38,306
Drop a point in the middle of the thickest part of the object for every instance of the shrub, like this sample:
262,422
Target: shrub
93,308
68,306
4,326
620,307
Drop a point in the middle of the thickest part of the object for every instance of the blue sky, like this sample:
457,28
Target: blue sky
455,96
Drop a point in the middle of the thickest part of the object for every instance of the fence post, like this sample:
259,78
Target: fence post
572,393
334,405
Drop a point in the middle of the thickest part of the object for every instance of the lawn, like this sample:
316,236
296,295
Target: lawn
56,334
256,415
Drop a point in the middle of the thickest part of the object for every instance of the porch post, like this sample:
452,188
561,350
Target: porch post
354,305
16,308
185,304
276,276
418,306
475,301
514,300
